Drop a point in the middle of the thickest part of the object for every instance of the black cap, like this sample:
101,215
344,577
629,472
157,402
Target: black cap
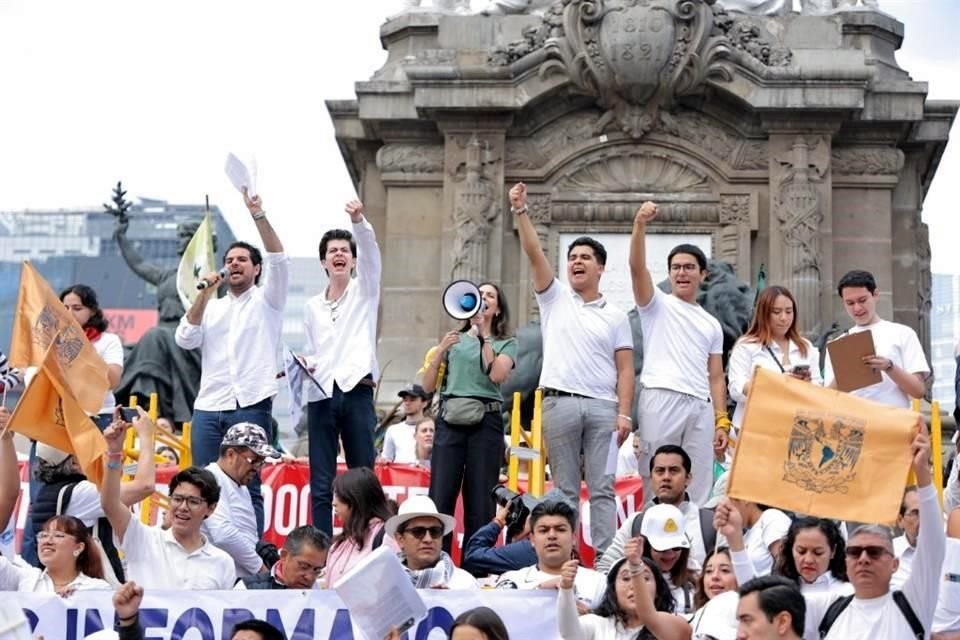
414,390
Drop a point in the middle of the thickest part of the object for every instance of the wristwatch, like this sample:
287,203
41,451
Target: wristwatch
519,211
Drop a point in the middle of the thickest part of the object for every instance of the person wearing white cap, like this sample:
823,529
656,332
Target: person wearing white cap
668,546
419,530
233,525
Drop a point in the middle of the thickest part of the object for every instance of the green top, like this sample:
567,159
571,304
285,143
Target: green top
464,377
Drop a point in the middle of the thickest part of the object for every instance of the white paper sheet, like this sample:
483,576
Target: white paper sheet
240,176
612,452
380,595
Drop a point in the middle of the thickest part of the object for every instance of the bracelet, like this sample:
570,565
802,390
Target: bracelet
627,418
519,211
130,619
260,215
114,464
114,455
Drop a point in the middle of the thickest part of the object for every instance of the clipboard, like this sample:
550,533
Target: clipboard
846,356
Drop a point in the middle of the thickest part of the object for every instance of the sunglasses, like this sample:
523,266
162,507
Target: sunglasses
419,532
873,552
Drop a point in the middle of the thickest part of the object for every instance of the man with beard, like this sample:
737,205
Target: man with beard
233,525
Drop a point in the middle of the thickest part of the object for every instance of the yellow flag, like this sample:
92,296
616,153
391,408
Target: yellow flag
48,413
197,261
41,322
821,452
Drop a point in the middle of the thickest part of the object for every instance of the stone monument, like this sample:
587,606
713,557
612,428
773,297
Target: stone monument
791,140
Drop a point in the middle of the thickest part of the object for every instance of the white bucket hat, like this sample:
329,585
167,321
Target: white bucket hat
419,507
663,527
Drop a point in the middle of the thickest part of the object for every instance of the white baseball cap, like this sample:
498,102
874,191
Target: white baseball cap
51,455
662,526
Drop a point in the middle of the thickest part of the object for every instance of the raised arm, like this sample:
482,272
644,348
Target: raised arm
539,265
430,376
660,624
369,262
144,480
639,274
118,514
275,289
271,242
149,272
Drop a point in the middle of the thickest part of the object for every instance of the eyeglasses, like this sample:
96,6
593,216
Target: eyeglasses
192,501
56,536
873,552
255,462
689,268
419,532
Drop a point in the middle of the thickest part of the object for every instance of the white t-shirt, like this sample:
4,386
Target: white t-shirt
589,585
573,626
156,561
748,355
905,554
20,576
85,503
579,342
771,527
947,615
233,526
626,461
110,349
399,444
898,343
678,340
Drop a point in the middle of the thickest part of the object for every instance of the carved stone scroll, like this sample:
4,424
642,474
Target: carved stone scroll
735,233
861,161
410,158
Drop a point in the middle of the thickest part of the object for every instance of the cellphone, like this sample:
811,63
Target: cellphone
800,368
129,414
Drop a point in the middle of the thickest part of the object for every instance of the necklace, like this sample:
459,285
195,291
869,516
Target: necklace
334,305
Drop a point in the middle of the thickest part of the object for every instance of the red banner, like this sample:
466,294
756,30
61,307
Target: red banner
131,324
286,499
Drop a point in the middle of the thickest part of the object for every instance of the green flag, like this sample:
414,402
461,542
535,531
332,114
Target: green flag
197,261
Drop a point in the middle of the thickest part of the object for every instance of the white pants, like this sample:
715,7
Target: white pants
670,417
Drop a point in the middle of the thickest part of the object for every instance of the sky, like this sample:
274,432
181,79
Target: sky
157,93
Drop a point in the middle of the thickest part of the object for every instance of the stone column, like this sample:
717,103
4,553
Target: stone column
910,251
799,212
736,213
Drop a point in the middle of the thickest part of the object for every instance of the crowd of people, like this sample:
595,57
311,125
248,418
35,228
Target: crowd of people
692,562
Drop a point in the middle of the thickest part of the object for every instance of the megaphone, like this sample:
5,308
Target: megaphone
462,300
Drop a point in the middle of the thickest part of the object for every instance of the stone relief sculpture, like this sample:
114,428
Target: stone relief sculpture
799,214
410,158
758,7
636,58
156,364
460,7
473,217
507,7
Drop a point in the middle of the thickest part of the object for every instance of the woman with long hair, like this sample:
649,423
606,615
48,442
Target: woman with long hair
361,506
423,441
773,342
468,443
637,603
72,560
813,556
718,577
81,301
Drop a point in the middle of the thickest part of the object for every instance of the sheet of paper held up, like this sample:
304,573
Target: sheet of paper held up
612,454
380,595
240,176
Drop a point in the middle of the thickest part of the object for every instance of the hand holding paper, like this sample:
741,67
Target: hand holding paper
240,176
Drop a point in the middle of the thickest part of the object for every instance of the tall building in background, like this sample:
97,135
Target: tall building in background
944,334
77,246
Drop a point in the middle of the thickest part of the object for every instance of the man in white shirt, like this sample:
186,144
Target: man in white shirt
179,558
399,444
233,525
874,611
239,338
905,546
899,357
683,397
587,374
341,330
553,528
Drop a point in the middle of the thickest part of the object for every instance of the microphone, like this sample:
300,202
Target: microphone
203,284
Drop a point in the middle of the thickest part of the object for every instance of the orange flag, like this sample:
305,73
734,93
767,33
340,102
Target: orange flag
48,412
821,452
41,321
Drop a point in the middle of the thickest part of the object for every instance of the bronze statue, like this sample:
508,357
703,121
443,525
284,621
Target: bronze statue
156,364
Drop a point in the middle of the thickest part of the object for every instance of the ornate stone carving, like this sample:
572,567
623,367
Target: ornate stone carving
506,7
622,213
539,211
861,161
734,221
798,211
703,131
461,7
822,7
758,7
536,151
924,283
473,217
410,158
735,210
752,155
629,170
637,56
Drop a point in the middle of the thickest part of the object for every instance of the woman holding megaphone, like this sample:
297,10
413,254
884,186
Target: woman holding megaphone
468,443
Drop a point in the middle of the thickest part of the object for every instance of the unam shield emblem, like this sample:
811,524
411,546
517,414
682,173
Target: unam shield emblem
823,452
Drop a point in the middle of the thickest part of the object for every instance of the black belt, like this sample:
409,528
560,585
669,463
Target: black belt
547,392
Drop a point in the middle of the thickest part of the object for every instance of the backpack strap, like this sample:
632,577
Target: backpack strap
378,539
707,531
64,497
904,605
836,608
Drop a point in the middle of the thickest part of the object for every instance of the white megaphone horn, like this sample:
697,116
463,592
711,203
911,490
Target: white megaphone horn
462,300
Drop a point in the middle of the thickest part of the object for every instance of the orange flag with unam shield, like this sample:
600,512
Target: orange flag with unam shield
48,413
821,452
40,323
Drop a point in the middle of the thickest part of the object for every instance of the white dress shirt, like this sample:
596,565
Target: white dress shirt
345,350
233,525
589,585
156,561
239,338
20,576
747,355
905,553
